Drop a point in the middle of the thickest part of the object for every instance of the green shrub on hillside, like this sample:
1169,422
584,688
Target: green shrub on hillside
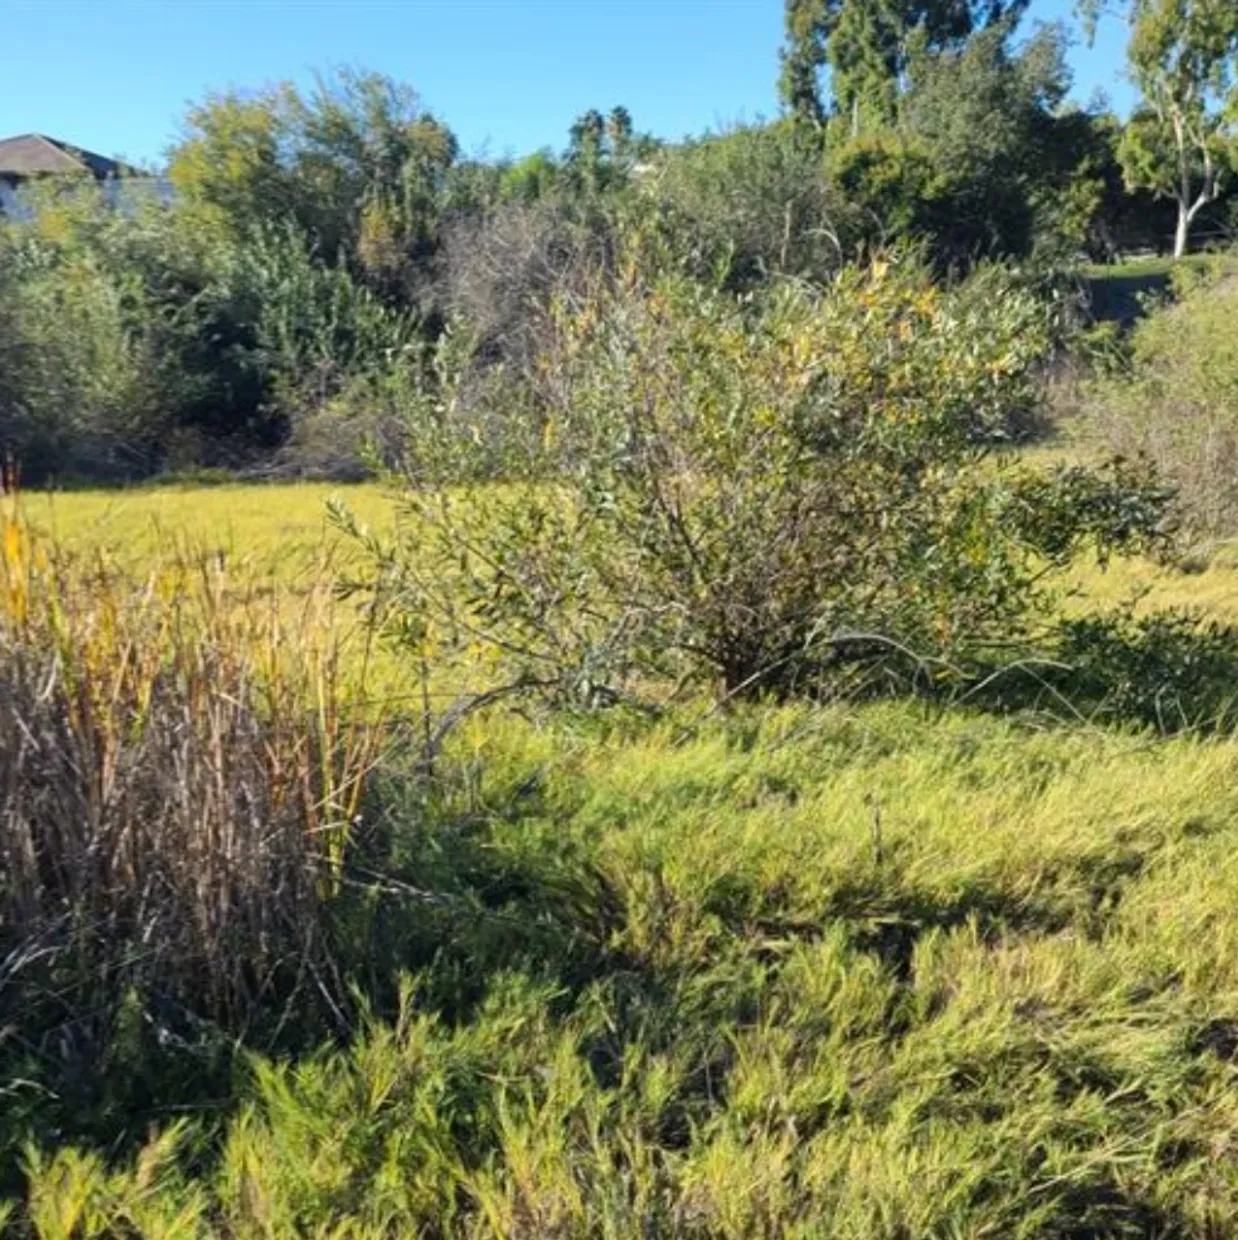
751,205
124,349
87,371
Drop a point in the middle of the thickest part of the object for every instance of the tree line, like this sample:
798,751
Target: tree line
879,59
284,311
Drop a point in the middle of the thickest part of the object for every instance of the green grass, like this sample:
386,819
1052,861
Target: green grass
273,544
844,973
1140,268
279,535
1210,589
876,973
277,532
1135,269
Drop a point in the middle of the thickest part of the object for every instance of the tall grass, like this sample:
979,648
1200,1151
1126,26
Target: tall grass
179,777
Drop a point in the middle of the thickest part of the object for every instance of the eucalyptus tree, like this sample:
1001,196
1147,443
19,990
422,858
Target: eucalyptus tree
1180,142
866,46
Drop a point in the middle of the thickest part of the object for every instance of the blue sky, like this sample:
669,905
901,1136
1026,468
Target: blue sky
507,75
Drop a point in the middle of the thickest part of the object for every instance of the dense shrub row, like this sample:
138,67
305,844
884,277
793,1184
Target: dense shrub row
277,314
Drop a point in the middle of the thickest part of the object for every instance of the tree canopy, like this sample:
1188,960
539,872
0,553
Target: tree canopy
866,47
1183,56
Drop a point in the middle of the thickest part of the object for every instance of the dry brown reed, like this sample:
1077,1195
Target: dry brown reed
179,779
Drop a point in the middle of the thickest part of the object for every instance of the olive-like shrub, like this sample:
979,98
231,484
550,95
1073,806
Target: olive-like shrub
796,492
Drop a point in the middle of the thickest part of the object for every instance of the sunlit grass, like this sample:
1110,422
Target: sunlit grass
1205,582
1209,588
874,972
271,547
274,532
867,973
278,536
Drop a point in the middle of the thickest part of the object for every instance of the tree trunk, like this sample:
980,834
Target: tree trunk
1183,231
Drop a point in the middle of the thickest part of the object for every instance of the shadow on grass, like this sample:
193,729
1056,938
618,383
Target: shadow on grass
1168,671
1122,296
462,893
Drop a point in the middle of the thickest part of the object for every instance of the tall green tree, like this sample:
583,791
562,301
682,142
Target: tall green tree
619,130
587,149
1183,56
802,57
603,149
982,158
866,46
357,164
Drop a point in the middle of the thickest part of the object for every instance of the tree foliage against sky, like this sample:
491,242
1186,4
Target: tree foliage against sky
323,238
358,163
1183,56
866,45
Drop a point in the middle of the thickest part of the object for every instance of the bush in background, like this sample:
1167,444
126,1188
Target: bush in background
135,343
751,205
1175,400
126,348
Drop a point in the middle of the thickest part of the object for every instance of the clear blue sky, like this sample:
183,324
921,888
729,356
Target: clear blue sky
507,75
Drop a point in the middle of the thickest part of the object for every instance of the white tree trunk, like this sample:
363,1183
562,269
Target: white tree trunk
1183,231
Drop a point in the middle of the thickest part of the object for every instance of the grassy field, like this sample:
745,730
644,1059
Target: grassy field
272,546
876,973
279,535
1210,589
798,973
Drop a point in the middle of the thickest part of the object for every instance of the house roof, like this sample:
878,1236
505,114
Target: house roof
33,154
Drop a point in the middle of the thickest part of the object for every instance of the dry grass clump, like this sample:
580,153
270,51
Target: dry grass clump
178,781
